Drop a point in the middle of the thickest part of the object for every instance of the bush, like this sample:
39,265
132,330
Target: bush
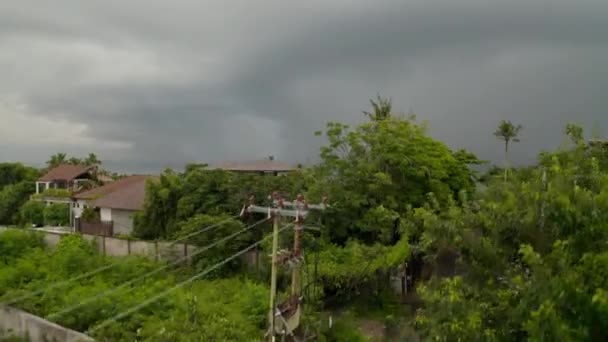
12,197
91,215
15,243
32,212
207,310
344,328
57,214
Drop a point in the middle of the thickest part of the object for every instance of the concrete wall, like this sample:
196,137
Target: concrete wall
154,250
21,323
119,247
52,239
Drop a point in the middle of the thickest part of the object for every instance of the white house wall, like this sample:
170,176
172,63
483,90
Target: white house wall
78,207
106,214
123,221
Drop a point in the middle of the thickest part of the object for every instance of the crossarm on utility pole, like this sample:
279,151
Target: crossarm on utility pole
274,211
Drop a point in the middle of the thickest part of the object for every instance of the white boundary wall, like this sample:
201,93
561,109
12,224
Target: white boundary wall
20,323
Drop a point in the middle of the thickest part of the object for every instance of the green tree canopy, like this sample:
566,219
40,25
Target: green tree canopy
374,172
531,256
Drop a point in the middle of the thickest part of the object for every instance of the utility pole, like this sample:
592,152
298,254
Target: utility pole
273,276
289,311
301,206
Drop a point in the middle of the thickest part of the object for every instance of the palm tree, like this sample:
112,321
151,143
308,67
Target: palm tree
56,160
91,160
507,132
75,161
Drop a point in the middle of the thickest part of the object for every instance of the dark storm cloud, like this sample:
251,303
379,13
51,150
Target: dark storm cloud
170,82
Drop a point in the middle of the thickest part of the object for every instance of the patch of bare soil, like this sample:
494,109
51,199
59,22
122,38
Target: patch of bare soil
374,330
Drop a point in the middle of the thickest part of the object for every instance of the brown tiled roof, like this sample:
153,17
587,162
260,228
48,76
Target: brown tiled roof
129,196
257,166
65,172
125,193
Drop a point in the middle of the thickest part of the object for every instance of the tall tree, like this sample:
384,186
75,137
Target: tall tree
377,170
381,109
507,132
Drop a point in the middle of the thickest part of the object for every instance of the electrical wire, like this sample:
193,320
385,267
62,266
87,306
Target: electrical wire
103,268
156,271
204,229
182,284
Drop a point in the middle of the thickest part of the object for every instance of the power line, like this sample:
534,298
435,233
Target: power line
205,229
132,281
182,284
103,268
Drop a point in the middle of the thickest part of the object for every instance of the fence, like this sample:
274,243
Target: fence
105,228
20,323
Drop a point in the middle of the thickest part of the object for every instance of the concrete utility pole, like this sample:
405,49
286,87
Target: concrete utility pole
301,206
289,311
273,277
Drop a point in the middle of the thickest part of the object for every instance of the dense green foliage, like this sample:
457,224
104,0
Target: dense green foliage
221,310
532,261
55,193
56,214
375,172
37,212
17,183
32,213
15,243
175,197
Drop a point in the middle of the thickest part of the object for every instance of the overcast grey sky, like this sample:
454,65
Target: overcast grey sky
147,84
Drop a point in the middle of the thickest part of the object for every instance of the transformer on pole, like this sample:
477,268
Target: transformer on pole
284,317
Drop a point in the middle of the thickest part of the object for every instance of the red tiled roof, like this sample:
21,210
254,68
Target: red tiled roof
130,196
257,166
65,172
125,193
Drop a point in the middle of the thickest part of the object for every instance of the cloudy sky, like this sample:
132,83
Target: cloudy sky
147,84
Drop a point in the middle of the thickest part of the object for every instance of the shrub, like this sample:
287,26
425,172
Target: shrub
32,212
15,243
91,215
57,214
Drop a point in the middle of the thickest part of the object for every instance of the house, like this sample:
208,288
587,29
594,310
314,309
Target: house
116,203
598,142
66,176
268,166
